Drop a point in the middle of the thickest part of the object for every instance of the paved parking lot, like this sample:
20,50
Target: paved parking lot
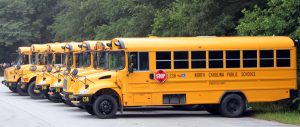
16,111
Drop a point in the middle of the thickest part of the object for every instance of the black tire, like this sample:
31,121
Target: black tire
69,103
54,99
32,94
13,89
89,109
212,109
188,107
105,107
80,107
22,92
232,105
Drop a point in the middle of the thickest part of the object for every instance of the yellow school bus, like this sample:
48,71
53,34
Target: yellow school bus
54,59
84,65
11,74
56,82
223,74
77,79
28,74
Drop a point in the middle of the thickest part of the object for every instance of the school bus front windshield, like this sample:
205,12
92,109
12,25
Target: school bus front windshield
83,59
22,59
100,59
34,59
49,58
116,60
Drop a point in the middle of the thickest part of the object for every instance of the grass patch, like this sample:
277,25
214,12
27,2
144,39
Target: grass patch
290,117
277,111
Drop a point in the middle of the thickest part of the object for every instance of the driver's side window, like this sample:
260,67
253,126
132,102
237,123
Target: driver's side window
140,61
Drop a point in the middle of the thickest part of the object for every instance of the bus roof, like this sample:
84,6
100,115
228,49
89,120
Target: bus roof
38,47
72,47
205,43
24,50
55,47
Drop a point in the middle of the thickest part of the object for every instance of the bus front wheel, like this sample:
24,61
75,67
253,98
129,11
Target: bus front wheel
22,91
32,93
105,107
232,105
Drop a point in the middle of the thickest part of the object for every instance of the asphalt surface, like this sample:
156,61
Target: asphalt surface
16,111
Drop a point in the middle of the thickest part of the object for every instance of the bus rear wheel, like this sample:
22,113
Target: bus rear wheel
105,107
232,105
22,91
32,93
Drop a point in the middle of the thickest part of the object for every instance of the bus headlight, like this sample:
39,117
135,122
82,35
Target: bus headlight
44,69
49,69
83,91
57,68
33,68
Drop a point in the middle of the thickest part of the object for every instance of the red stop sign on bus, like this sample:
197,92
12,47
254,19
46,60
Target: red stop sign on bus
160,76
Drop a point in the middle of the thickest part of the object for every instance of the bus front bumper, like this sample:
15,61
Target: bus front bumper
55,92
42,88
4,83
81,100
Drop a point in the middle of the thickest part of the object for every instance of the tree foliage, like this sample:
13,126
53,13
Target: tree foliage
23,22
199,17
279,17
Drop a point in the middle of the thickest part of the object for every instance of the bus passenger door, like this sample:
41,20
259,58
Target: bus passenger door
138,89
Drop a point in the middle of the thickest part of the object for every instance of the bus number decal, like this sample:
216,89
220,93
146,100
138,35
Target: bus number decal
171,75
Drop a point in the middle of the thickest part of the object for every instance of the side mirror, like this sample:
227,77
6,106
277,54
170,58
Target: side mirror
75,72
130,64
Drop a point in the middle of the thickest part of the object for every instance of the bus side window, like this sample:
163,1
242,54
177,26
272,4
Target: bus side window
198,59
249,58
163,60
283,58
140,60
181,60
232,59
143,61
215,59
266,58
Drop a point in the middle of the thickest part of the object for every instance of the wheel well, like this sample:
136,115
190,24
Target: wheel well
106,91
32,79
234,92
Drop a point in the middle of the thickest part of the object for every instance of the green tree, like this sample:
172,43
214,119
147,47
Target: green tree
279,17
23,22
199,17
